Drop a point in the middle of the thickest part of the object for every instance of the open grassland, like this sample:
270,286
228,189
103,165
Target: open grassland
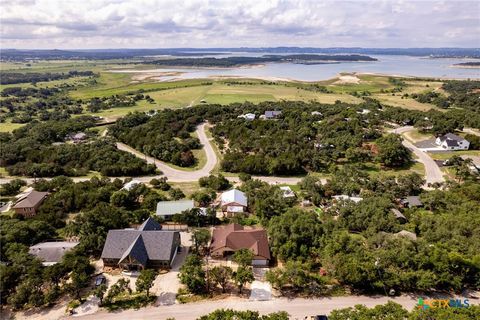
189,92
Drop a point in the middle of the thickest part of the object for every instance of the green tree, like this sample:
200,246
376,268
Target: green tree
221,275
243,276
192,274
391,151
145,281
200,239
243,257
100,291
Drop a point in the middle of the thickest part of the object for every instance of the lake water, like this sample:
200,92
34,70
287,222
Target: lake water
386,64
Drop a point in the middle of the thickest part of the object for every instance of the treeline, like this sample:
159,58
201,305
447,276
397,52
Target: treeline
30,151
238,61
306,137
34,77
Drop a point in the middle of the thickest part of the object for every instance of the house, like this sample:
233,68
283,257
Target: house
146,247
79,137
166,209
233,237
234,201
248,116
28,204
287,192
406,234
271,114
411,201
316,113
51,252
398,215
451,141
129,185
343,197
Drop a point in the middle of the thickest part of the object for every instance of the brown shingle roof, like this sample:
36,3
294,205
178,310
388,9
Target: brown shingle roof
31,200
235,237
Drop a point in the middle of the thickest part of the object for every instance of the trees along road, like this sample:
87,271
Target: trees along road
176,175
432,170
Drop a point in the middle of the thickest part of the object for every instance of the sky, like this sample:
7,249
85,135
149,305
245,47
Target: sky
90,24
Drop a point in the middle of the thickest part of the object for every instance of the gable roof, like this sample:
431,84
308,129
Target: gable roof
234,196
31,200
398,214
451,136
169,208
414,201
272,114
236,237
51,252
141,244
136,251
149,225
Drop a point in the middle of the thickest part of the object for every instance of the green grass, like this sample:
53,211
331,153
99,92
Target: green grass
375,169
449,154
9,127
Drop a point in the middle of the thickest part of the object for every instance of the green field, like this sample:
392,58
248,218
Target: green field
183,93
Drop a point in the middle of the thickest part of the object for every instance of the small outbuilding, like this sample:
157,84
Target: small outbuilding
166,209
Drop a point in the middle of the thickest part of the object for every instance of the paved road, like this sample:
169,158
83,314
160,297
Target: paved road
432,170
297,308
175,175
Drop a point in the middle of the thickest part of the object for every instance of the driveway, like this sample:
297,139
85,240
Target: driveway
433,173
166,285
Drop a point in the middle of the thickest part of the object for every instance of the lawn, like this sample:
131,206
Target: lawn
416,136
449,154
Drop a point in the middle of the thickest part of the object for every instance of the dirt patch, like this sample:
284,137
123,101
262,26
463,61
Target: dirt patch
347,79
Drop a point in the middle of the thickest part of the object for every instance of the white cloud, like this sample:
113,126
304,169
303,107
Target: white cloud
255,23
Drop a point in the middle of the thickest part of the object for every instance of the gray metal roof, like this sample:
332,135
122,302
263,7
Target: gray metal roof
136,251
157,244
51,252
150,224
414,201
169,208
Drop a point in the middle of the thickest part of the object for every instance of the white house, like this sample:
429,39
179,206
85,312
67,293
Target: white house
234,201
129,185
248,116
345,197
451,141
287,192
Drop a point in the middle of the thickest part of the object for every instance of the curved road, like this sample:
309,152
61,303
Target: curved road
176,175
432,170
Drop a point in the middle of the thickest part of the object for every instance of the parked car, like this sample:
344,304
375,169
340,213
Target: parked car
100,280
319,317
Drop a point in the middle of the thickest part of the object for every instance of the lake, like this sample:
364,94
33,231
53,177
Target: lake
386,64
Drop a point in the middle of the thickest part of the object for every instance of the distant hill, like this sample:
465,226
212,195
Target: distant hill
23,55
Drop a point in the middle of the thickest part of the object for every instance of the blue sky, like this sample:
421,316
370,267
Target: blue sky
70,24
